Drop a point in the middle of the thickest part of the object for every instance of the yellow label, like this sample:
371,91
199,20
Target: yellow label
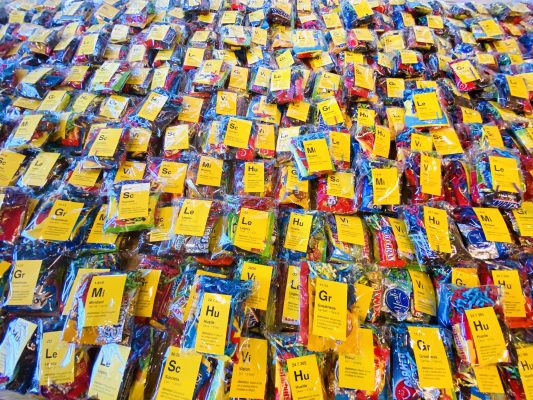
261,276
285,59
136,53
329,312
252,226
23,102
364,299
317,154
330,111
298,111
525,368
238,133
213,323
106,142
147,292
82,102
385,186
400,234
298,230
366,117
421,142
493,224
250,371
304,378
435,21
97,235
177,138
34,76
194,57
17,17
192,217
465,277
408,57
209,171
39,168
340,146
493,135
158,32
513,298
56,360
191,109
9,164
505,174
471,116
408,19
393,42
23,280
226,103
77,73
484,58
488,336
55,100
27,127
104,300
130,171
488,379
266,137
465,71
84,177
179,376
172,177
424,293
517,86
395,87
382,141
427,106
238,78
423,34
259,35
291,300
436,224
446,141
430,175
108,371
105,72
139,140
341,184
134,201
490,27
357,371
524,218
61,220
354,58
152,106
162,224
430,357
338,36
280,79
254,177
350,229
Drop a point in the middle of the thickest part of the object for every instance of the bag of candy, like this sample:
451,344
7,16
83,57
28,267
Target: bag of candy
290,190
103,307
156,241
336,192
415,373
516,292
217,316
91,48
304,236
19,345
210,76
38,81
231,138
456,182
286,85
14,210
311,154
496,179
423,176
207,178
392,246
328,316
358,81
254,178
297,371
105,145
110,77
371,359
32,132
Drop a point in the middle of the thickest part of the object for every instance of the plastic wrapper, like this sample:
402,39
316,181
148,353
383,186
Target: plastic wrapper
229,296
355,14
280,13
48,265
336,192
211,76
496,180
290,190
180,141
468,76
207,178
91,322
518,221
131,207
156,111
105,146
38,81
13,213
288,355
456,182
307,43
254,178
361,40
160,36
328,316
156,240
358,81
327,85
230,138
513,93
311,154
62,370
378,184
304,236
407,64
91,48
408,371
423,175
110,78
20,346
169,176
286,86
236,36
43,41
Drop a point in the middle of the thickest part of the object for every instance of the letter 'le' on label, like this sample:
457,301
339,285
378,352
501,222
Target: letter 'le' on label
304,378
430,357
108,371
213,323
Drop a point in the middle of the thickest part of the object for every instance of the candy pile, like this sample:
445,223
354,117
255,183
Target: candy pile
266,199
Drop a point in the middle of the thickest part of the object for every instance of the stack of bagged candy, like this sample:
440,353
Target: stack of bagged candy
266,199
